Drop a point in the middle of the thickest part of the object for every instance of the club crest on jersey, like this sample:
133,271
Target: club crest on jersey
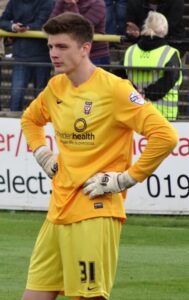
136,98
87,108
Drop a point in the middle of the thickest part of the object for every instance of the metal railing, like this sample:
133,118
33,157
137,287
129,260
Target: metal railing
140,73
6,66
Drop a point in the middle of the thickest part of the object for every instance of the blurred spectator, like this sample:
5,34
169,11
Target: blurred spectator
2,52
160,86
116,16
3,4
20,16
137,11
2,48
95,12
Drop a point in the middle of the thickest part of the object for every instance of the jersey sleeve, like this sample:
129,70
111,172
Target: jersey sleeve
33,119
134,113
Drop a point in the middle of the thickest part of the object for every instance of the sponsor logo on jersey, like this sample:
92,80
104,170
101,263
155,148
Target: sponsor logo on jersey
136,98
79,136
76,136
80,125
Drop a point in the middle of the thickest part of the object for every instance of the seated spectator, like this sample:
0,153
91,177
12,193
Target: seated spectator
137,11
20,16
158,85
95,12
116,16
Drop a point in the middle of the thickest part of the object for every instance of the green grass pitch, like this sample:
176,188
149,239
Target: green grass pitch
153,260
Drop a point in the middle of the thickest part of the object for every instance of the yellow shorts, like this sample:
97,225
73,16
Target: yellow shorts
79,259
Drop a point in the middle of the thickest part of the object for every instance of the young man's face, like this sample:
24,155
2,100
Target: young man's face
66,53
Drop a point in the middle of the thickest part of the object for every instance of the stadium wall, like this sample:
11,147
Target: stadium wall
24,186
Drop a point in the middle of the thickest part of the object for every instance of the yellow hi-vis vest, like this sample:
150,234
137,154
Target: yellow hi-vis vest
157,58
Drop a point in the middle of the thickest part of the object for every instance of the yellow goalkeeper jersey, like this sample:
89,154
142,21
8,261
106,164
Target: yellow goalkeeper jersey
94,126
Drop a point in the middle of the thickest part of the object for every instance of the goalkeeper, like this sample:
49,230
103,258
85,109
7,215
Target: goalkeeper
94,114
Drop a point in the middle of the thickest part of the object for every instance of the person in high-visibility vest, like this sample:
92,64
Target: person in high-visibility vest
137,11
158,76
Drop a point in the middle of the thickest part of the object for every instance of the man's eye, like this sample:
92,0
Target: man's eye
63,47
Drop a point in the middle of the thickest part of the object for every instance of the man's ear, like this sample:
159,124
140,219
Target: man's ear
87,48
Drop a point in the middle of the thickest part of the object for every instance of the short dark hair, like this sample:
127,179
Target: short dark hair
70,23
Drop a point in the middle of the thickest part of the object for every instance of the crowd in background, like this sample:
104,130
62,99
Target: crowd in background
120,17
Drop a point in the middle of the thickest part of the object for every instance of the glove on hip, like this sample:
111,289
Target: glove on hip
111,182
47,160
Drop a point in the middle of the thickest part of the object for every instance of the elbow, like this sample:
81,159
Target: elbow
23,119
175,142
173,139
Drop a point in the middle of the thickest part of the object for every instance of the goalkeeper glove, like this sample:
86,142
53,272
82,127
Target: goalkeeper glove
111,182
47,160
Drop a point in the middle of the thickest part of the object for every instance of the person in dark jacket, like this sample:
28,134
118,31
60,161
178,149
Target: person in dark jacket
115,16
95,12
137,11
2,47
20,16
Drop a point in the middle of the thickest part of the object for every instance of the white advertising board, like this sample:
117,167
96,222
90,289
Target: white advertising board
24,186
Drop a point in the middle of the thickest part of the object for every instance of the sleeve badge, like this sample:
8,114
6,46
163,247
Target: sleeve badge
135,97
